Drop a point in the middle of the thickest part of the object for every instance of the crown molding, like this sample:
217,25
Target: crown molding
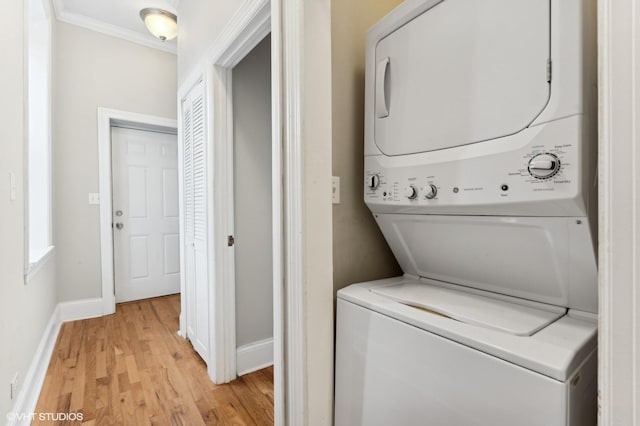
112,30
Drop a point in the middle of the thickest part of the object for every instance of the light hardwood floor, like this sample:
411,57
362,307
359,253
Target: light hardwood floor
131,368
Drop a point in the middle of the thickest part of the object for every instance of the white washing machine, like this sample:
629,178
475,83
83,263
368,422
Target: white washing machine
480,153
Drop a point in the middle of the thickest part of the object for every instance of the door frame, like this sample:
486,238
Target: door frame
302,294
108,118
240,37
619,205
251,22
249,25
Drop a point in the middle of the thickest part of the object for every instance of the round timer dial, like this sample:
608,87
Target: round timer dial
373,182
544,165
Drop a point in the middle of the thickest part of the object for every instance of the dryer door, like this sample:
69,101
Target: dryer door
462,72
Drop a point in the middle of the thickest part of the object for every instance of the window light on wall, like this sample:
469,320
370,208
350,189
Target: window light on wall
38,206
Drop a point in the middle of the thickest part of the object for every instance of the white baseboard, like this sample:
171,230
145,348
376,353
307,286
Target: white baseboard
80,309
182,327
254,356
27,398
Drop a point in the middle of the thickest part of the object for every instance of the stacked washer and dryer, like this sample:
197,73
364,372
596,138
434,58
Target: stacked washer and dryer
480,153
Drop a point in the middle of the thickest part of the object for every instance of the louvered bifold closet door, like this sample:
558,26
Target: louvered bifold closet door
195,220
187,202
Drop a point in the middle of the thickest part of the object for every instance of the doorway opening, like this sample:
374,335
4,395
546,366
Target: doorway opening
134,132
252,209
214,84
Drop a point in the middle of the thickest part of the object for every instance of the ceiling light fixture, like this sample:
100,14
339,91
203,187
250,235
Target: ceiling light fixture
160,23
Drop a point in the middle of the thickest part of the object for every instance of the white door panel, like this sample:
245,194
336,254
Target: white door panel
196,225
200,340
171,254
170,192
139,257
190,290
144,185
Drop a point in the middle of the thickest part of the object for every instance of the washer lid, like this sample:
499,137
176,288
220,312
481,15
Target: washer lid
484,311
556,351
544,259
462,72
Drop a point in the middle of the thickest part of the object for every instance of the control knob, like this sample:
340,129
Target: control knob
410,192
430,191
544,166
373,182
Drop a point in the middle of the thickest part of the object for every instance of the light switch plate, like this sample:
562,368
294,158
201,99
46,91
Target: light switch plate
94,198
335,189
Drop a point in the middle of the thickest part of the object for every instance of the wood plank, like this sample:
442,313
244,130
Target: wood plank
89,401
133,368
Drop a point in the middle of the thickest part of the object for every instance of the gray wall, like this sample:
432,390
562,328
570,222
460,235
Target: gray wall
360,252
25,310
94,70
252,180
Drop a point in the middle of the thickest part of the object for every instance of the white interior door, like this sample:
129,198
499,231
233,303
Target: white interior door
196,225
145,214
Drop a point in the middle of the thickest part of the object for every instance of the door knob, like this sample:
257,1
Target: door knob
119,225
118,212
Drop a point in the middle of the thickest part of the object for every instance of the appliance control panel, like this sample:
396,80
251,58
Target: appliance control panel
505,181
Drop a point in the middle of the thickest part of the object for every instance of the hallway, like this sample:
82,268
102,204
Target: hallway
133,368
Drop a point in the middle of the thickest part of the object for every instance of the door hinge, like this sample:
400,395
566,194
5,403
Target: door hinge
230,240
549,69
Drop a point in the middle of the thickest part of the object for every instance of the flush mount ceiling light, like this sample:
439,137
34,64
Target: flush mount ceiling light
160,23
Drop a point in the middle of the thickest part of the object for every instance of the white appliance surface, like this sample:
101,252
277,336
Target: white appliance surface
480,154
462,72
545,259
489,178
571,69
554,351
390,372
508,316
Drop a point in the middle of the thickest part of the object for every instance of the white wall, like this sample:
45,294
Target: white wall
24,309
360,252
252,186
200,23
94,70
316,123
